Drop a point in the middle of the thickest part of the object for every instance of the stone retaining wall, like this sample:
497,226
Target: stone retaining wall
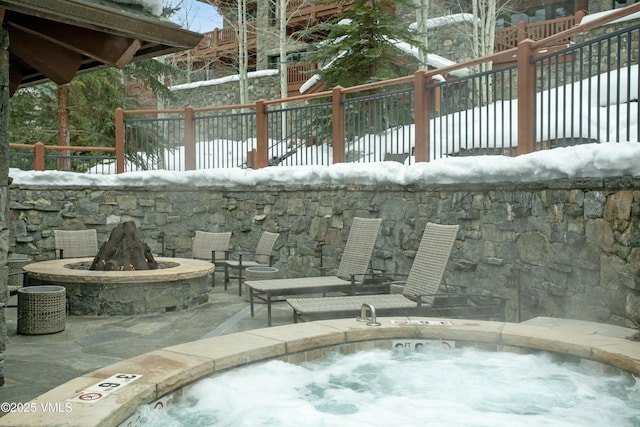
566,248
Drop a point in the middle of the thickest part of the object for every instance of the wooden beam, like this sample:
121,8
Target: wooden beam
15,77
128,54
55,62
109,49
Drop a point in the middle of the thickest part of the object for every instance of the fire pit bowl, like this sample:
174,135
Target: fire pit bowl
178,283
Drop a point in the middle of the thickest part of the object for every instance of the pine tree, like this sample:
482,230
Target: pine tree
361,46
93,99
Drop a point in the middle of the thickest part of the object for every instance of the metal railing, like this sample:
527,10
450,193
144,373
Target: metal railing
547,99
602,72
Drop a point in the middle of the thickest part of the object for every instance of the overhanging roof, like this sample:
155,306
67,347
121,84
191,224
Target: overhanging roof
56,39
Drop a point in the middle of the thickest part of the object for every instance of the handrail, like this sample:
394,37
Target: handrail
39,151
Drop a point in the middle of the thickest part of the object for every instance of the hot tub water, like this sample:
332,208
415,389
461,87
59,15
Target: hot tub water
432,387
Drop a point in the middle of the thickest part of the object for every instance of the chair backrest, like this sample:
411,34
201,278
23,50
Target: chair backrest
359,248
76,243
264,248
430,261
204,243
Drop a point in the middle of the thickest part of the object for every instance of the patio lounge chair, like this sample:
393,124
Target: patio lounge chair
351,272
212,247
263,256
75,243
419,296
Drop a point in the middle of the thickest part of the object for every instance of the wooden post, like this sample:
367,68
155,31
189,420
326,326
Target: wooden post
261,157
64,163
251,156
526,97
338,125
119,140
38,156
189,139
421,118
522,31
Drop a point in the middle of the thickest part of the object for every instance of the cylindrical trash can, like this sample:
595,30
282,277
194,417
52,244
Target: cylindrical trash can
41,309
258,273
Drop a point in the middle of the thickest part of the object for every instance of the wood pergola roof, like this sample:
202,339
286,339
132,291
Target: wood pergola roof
56,39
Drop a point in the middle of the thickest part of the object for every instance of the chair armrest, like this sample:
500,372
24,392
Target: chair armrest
369,283
213,256
236,254
374,277
323,270
459,289
248,255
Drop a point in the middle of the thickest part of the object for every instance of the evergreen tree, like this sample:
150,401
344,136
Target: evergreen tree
93,99
361,46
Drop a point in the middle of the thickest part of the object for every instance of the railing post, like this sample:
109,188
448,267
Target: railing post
251,163
421,118
38,156
522,31
260,159
526,97
119,140
189,139
337,120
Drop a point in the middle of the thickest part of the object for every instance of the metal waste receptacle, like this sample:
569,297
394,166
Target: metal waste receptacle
41,309
258,273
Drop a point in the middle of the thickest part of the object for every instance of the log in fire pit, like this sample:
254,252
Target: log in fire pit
124,251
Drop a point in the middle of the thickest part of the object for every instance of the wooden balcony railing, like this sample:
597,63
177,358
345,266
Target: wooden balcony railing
308,12
508,38
217,43
300,73
224,41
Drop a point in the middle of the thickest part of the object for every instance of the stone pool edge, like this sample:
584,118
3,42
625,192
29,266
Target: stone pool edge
169,369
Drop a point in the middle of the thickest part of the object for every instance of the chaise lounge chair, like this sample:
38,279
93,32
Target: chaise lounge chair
419,296
350,275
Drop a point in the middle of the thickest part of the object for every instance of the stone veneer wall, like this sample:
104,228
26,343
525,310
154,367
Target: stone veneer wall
262,87
572,246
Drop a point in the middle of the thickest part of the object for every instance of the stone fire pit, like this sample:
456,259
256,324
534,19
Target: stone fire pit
177,284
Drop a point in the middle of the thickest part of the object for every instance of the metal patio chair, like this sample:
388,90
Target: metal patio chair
212,247
75,243
263,256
